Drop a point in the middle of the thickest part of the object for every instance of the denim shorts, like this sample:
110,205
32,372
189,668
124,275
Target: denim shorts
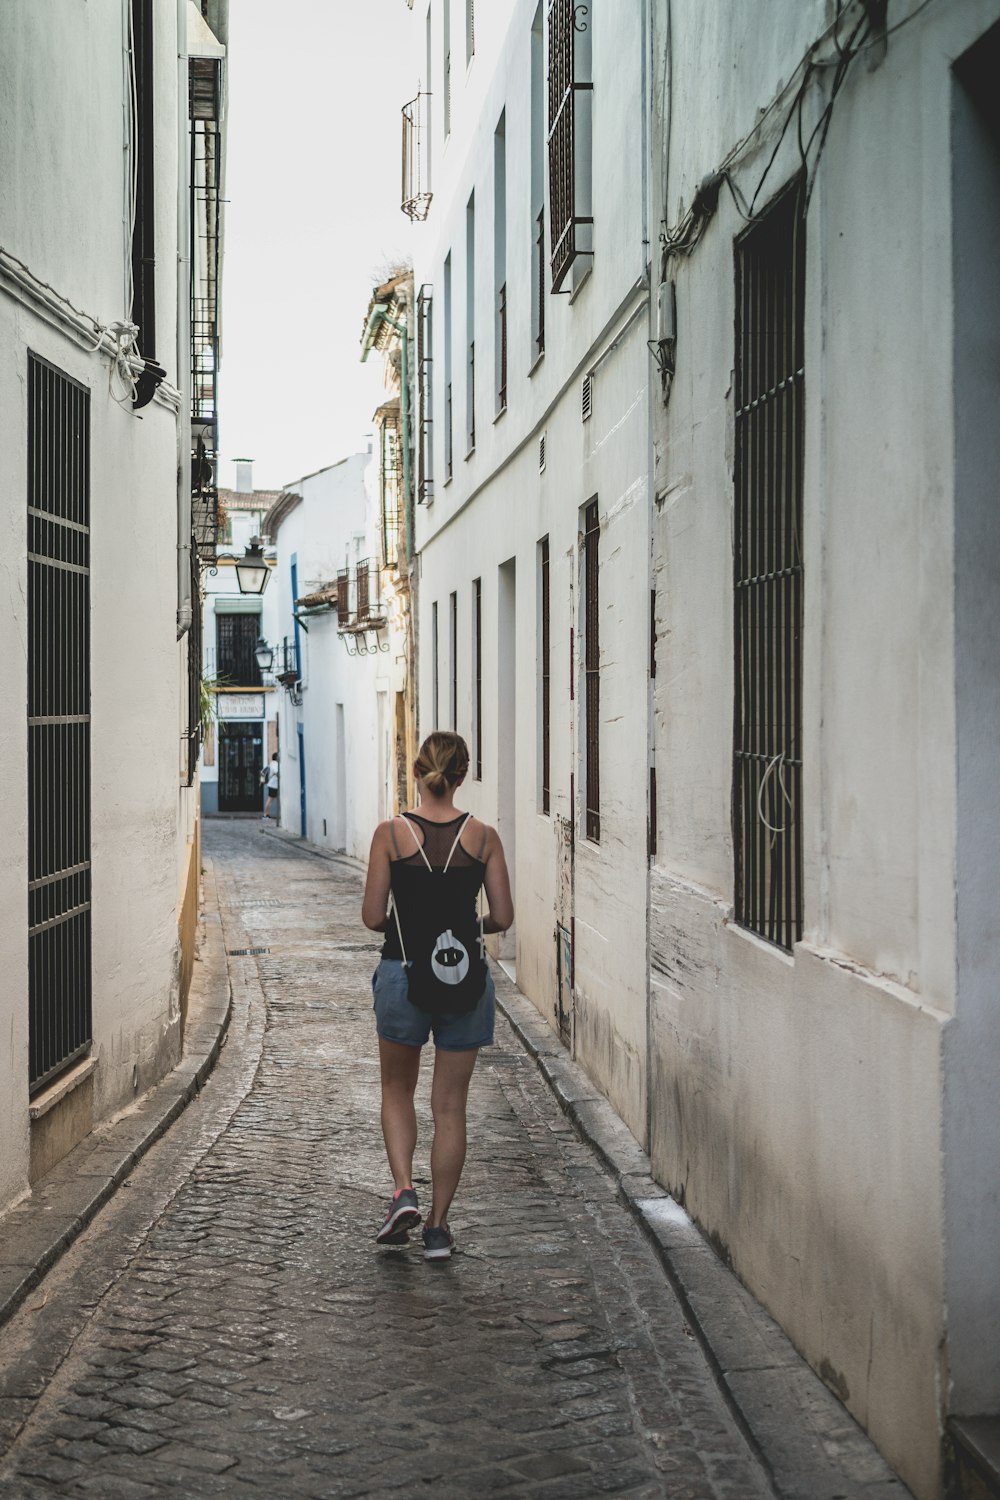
398,1021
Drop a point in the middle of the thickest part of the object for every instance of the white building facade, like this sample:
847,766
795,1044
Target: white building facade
99,884
713,615
823,958
532,527
345,663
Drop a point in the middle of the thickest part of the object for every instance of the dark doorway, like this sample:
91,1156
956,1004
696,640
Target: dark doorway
241,759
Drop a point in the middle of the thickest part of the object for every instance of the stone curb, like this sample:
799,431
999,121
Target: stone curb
36,1232
357,866
808,1444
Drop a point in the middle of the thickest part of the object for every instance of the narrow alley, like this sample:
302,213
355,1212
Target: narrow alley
226,1325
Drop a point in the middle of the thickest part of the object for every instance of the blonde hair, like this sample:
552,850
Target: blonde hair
442,761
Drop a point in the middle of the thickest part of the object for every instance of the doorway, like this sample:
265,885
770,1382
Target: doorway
241,760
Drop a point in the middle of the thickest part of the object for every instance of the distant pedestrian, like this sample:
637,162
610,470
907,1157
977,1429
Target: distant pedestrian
270,778
425,873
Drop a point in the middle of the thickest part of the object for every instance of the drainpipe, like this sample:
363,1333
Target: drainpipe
184,603
379,315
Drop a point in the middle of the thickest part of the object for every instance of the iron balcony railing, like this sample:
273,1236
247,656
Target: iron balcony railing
425,397
415,191
568,140
502,346
360,605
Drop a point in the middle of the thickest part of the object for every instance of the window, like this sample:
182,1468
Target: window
58,702
767,738
449,435
544,654
436,698
538,186
500,260
570,140
477,686
470,321
425,397
470,30
446,66
143,185
453,660
390,485
236,639
591,672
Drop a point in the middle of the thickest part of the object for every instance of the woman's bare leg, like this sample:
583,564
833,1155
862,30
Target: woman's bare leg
400,1070
449,1095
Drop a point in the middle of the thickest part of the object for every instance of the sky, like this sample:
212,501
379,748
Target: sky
312,222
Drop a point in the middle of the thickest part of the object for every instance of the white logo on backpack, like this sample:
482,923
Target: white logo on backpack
450,959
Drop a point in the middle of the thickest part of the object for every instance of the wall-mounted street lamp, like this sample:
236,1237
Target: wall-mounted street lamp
264,654
252,572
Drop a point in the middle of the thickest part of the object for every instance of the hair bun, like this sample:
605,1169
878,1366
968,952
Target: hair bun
442,761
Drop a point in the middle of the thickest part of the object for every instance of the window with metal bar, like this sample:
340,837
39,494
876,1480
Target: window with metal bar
449,434
470,321
538,183
592,671
143,183
236,639
195,728
59,765
544,654
390,487
477,716
500,262
425,396
767,718
446,66
415,187
435,662
453,660
571,87
205,169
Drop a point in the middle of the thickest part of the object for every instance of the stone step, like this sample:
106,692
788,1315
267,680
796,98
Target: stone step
976,1447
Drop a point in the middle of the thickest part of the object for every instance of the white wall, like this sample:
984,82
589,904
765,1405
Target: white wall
498,505
797,1099
348,786
61,197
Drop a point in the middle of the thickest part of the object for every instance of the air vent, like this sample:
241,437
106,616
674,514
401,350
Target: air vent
541,453
587,397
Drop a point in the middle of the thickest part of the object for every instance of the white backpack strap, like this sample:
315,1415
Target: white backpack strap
395,912
419,845
455,844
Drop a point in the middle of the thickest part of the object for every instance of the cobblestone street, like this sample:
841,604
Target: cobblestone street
226,1326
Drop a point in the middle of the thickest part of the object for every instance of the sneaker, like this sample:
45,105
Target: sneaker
403,1215
439,1242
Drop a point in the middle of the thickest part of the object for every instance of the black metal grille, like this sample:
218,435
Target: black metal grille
143,230
236,639
472,396
540,289
477,591
59,918
205,104
435,664
448,434
390,486
502,341
194,649
767,722
453,655
592,670
425,396
546,686
566,19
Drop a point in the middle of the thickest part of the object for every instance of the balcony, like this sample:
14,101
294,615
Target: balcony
361,613
415,193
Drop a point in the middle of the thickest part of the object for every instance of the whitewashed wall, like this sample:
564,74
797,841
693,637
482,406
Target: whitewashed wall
61,196
797,1101
488,520
347,701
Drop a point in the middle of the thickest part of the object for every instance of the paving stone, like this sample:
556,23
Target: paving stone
257,1343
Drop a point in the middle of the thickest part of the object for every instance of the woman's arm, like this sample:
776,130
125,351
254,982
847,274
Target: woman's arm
497,883
374,908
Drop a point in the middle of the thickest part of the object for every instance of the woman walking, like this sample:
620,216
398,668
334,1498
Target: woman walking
425,873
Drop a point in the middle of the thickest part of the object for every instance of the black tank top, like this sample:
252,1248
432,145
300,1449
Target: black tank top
428,901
